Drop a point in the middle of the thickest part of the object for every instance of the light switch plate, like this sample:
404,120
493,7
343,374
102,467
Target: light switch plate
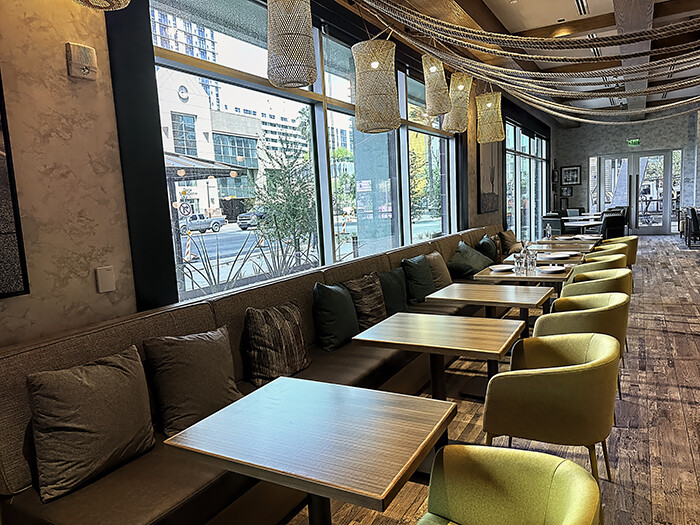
105,279
82,61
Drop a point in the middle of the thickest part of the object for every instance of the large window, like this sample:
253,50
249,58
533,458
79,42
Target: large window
264,182
364,183
428,181
526,168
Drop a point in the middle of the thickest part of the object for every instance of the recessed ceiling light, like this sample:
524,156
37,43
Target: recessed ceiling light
513,1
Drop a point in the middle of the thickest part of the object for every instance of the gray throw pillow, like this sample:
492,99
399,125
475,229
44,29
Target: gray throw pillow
394,290
276,343
419,278
466,261
335,318
87,420
488,247
192,376
367,296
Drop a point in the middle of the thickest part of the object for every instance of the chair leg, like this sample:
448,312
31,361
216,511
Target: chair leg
607,460
619,389
627,346
510,441
594,462
622,360
489,439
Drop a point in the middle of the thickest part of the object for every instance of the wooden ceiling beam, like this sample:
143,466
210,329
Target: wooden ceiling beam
607,21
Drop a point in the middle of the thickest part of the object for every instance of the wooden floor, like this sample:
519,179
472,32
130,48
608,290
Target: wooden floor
655,447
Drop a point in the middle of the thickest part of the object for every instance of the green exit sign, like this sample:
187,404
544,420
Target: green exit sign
633,143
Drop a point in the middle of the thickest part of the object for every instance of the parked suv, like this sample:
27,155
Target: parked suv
202,223
250,218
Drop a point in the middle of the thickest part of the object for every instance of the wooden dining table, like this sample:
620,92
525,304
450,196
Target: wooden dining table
582,225
537,276
493,296
355,445
478,338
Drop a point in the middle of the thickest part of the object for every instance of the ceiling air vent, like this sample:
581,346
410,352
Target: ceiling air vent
582,7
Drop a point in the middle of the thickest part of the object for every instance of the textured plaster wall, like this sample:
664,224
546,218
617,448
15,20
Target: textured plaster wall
64,145
573,146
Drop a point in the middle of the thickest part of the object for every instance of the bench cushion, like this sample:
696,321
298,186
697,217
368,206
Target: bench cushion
16,454
354,364
164,486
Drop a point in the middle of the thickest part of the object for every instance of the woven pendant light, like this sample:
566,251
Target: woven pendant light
291,60
489,126
376,97
460,89
437,98
104,5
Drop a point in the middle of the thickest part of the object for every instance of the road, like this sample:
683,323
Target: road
229,240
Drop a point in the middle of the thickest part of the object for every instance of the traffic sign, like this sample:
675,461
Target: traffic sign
185,209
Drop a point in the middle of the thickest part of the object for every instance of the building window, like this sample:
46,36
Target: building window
428,185
184,134
238,151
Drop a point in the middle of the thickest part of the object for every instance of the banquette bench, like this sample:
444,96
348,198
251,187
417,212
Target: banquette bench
161,486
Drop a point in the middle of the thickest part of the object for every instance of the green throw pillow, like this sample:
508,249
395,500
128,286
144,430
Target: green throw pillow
334,316
487,247
467,261
394,289
419,278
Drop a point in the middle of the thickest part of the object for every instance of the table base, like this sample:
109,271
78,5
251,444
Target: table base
319,510
476,385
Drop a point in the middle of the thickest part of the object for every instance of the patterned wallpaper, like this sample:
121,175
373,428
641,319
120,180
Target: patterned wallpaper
573,146
67,170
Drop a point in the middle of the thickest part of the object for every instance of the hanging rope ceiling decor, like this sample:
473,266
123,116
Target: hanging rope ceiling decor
104,5
533,86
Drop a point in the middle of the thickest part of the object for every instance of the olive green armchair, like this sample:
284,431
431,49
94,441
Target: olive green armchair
603,262
607,249
602,281
603,313
473,485
560,389
632,241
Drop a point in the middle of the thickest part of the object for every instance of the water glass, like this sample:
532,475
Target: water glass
519,263
531,261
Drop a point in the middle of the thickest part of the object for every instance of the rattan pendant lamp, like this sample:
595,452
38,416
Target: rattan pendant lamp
437,98
104,5
457,119
376,97
489,126
291,60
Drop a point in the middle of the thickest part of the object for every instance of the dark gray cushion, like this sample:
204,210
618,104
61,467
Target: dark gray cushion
193,376
276,340
467,261
367,296
334,316
88,420
394,290
487,247
419,278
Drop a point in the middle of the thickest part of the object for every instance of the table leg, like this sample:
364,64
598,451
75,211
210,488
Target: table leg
491,368
438,388
547,306
525,316
319,510
490,311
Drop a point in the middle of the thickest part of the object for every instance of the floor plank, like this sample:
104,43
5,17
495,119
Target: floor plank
655,447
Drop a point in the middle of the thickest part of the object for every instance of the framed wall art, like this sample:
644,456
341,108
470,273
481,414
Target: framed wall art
489,177
567,191
570,175
13,267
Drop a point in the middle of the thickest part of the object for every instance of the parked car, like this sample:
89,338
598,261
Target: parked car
250,218
202,223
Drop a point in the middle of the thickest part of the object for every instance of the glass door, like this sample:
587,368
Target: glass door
652,196
613,182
